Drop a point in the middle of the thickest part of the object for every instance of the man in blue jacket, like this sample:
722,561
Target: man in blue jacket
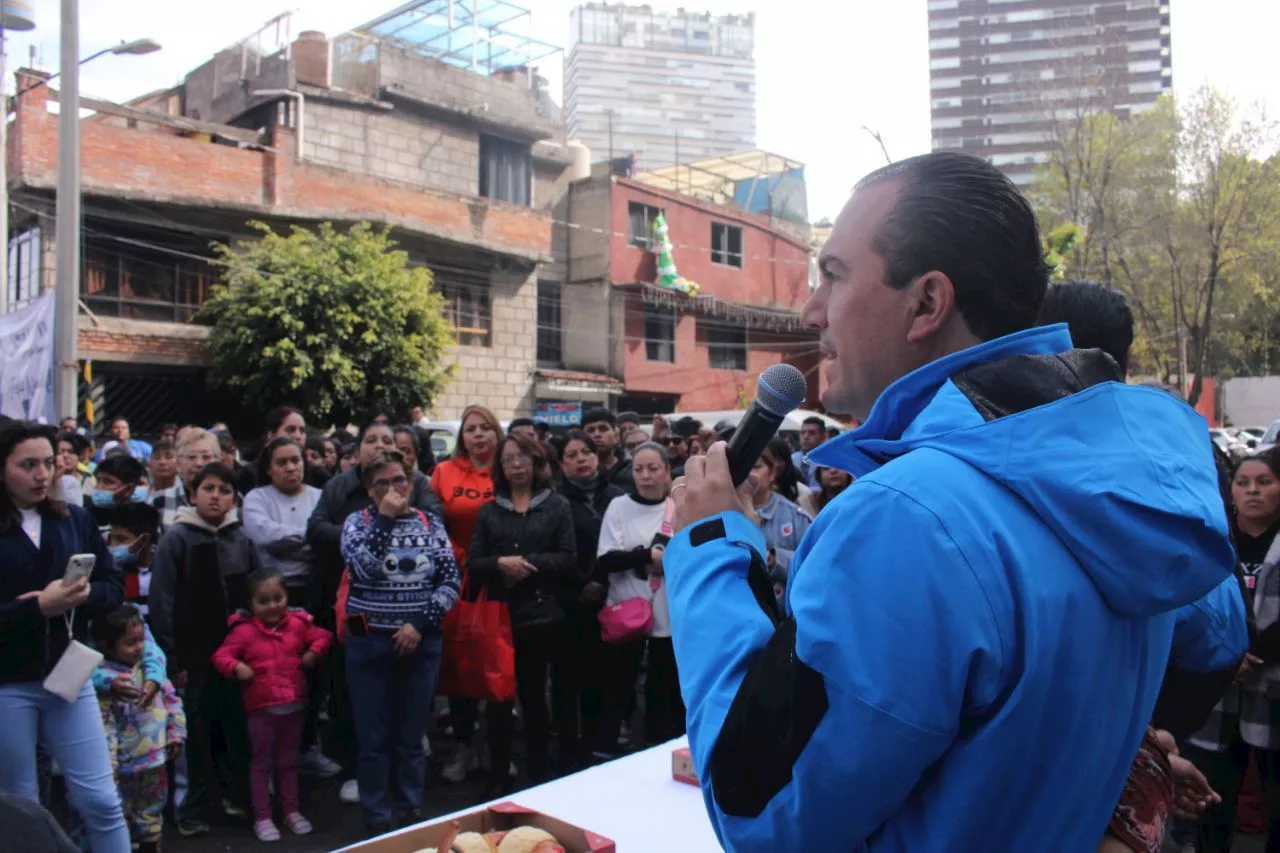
979,626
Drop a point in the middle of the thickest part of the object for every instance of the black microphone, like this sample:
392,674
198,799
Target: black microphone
780,389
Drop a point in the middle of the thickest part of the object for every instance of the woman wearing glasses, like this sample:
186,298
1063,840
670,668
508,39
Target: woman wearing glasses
524,549
403,581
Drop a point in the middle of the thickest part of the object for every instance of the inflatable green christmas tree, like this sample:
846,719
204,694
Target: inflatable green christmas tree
668,276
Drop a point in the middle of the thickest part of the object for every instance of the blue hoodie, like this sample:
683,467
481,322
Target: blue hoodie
978,627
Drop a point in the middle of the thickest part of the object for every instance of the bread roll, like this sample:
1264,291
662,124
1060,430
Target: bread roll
523,839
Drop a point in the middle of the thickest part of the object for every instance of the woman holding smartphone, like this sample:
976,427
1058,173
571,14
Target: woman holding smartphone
40,616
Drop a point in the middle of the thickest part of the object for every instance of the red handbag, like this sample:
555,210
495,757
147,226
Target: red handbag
478,660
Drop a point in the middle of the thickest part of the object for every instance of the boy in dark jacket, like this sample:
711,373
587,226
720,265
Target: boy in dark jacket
198,581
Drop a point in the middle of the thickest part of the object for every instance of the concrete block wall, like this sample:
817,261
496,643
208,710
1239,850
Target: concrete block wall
398,145
491,99
499,376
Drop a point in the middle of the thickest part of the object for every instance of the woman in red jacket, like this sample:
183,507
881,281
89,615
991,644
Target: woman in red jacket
268,652
464,484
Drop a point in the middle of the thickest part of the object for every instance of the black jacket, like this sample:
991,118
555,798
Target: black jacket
340,497
198,580
543,535
622,474
30,644
588,509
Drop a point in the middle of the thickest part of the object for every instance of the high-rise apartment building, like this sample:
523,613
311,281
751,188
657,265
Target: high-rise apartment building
667,86
1000,71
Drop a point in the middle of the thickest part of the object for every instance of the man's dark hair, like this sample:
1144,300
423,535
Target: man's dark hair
960,216
78,442
124,468
591,416
629,416
1097,316
226,443
519,422
814,420
217,471
137,519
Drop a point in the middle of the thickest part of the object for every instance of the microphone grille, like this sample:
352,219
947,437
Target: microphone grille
780,389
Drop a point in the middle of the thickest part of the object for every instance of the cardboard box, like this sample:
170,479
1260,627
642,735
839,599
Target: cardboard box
682,769
496,818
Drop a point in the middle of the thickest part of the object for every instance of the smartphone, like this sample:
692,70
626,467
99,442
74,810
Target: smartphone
79,566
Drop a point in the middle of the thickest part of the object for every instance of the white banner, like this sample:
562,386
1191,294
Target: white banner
26,361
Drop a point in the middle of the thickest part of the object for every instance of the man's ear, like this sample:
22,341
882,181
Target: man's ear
934,305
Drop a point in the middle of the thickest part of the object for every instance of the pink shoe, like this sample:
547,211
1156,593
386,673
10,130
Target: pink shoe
297,824
266,830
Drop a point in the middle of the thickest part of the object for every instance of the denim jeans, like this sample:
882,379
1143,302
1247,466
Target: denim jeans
391,701
72,733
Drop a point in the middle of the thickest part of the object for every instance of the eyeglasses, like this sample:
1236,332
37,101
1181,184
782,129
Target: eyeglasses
508,461
398,482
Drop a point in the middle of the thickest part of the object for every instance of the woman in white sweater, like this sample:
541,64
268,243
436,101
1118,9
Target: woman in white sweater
275,519
630,557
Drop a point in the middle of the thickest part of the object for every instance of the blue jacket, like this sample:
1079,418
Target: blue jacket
988,612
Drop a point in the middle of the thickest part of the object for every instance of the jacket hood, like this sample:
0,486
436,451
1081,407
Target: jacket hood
187,515
1122,474
539,497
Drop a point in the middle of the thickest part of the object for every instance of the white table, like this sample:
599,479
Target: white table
632,800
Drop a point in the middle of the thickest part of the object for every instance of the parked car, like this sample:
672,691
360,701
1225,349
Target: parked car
1269,438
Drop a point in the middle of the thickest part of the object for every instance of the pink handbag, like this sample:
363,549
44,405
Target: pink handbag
627,620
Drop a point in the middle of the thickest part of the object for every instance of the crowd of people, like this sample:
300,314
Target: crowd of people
263,617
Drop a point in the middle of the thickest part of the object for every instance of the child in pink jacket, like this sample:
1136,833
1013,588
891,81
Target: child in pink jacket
267,652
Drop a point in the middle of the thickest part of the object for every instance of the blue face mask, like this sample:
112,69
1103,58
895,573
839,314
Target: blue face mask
139,495
102,497
122,555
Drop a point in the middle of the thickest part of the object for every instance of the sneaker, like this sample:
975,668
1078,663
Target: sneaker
316,763
190,827
460,764
350,793
624,735
231,809
297,824
266,830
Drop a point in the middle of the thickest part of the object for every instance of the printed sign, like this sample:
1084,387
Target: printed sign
26,361
557,414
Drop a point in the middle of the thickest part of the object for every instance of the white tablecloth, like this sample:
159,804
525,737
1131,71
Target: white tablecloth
632,800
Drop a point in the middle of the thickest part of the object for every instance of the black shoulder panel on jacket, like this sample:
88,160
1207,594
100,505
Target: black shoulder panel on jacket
778,707
1023,382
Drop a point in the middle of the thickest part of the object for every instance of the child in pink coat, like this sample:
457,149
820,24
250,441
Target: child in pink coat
268,652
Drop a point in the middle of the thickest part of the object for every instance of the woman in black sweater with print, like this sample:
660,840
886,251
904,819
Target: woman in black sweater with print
523,549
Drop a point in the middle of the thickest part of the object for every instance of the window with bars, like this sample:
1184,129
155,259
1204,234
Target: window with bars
659,334
123,280
640,224
469,308
726,244
24,268
549,328
726,345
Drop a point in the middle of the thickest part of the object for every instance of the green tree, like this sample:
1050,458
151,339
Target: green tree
332,321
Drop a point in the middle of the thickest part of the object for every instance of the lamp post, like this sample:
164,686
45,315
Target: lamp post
66,367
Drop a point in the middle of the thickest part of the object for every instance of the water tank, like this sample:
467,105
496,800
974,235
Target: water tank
579,160
311,58
17,15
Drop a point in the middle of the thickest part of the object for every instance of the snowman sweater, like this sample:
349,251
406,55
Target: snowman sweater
402,570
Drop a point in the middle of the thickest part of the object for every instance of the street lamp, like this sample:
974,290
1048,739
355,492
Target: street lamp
66,368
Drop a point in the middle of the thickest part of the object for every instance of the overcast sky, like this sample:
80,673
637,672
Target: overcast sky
824,68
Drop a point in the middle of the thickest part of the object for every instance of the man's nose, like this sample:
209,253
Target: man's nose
814,313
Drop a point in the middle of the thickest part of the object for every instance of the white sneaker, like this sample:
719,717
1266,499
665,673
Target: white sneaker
350,793
316,763
460,764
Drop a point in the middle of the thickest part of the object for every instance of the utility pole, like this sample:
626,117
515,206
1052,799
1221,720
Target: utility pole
66,363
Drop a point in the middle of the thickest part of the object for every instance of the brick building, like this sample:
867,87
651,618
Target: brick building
463,166
657,350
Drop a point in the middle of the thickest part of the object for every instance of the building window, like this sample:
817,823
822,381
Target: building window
468,307
505,170
549,328
726,244
640,224
659,333
123,280
726,346
24,268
